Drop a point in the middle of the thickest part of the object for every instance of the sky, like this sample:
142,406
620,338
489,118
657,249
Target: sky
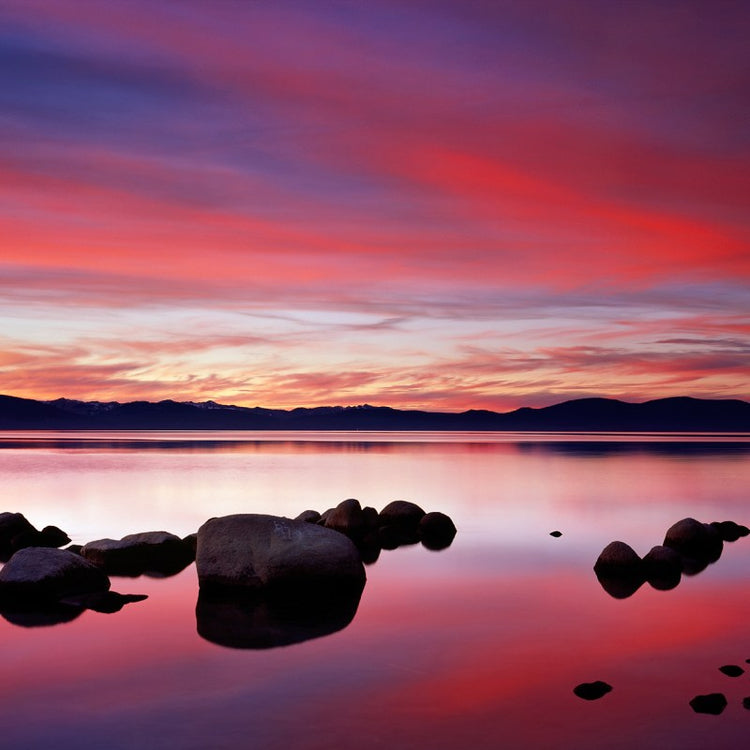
446,205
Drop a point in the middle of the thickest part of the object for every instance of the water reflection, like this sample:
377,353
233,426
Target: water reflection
257,621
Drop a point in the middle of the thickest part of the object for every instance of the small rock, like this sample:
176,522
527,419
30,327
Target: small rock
436,530
308,516
156,553
401,514
555,533
347,518
712,703
729,530
732,670
662,567
746,702
591,691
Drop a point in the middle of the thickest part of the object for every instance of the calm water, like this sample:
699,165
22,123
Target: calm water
478,646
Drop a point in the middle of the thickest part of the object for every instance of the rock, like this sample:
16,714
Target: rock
11,526
324,517
556,534
712,703
308,516
370,517
730,531
347,518
191,540
591,691
620,559
55,537
392,537
74,548
259,620
695,540
251,551
154,553
662,567
746,702
619,570
402,515
436,530
732,670
39,574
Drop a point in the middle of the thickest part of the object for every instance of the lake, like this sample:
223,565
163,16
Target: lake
479,645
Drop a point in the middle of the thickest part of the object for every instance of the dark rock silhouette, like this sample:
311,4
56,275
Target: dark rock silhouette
39,574
260,620
347,518
436,531
154,553
252,551
696,541
730,531
308,516
401,514
662,567
746,702
732,670
555,534
619,570
689,547
712,703
591,691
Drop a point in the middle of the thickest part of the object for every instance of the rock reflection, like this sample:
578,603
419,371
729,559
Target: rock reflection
689,548
259,621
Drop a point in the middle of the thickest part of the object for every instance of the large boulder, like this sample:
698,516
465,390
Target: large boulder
12,525
401,514
38,574
260,552
154,553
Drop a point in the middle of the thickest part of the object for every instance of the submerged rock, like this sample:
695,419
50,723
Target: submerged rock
253,551
106,602
46,574
154,553
591,691
712,703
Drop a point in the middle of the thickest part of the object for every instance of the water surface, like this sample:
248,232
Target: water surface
479,645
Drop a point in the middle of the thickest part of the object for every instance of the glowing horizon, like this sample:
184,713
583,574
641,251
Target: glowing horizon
442,206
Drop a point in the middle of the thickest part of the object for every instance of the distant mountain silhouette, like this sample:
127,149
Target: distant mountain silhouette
588,414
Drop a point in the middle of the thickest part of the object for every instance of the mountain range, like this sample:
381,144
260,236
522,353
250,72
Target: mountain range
681,414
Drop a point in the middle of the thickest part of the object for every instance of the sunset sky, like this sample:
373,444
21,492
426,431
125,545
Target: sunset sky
448,205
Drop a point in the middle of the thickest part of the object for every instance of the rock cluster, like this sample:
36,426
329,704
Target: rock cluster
398,523
689,547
